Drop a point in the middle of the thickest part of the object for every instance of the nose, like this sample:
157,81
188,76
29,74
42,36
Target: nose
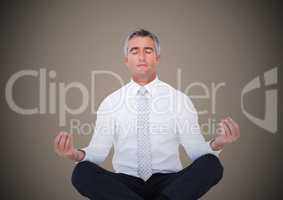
141,56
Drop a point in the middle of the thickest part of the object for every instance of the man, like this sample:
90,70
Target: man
146,120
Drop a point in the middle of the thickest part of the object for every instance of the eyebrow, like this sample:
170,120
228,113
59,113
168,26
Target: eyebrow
149,48
133,48
136,48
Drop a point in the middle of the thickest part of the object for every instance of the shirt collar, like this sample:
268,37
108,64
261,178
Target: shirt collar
149,86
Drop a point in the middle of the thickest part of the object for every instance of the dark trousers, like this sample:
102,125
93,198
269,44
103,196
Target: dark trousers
191,183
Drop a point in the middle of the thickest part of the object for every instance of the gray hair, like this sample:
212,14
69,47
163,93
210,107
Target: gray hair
142,33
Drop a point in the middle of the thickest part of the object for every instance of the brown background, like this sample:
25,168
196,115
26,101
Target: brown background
210,41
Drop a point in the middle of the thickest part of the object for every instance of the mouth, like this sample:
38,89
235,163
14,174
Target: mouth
142,65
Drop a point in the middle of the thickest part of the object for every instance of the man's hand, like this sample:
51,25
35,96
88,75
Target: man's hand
64,147
228,133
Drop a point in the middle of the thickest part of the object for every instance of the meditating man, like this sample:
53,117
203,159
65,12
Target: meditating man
146,120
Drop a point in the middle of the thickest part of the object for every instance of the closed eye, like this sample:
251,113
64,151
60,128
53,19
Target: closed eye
148,50
134,50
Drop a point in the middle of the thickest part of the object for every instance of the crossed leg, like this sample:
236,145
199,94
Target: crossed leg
96,183
190,183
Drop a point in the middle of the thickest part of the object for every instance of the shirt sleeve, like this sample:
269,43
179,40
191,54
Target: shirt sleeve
102,139
189,131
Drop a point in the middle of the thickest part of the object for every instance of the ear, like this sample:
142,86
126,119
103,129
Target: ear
158,59
126,60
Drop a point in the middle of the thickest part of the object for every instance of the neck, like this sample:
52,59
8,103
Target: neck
144,81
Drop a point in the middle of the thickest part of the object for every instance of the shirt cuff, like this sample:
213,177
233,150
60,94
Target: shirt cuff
85,157
94,155
217,152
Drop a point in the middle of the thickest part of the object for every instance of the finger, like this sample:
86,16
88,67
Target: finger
236,133
220,129
67,143
227,131
61,137
71,143
231,128
55,145
62,141
71,140
57,141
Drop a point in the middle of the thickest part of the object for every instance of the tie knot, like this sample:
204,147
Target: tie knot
142,91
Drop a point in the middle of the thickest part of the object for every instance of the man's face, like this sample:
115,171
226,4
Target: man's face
142,58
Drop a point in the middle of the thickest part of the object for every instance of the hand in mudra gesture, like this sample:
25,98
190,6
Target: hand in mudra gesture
229,132
64,147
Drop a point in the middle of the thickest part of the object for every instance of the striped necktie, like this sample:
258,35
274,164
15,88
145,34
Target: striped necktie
143,136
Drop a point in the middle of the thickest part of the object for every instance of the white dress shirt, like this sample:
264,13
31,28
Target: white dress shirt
173,121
